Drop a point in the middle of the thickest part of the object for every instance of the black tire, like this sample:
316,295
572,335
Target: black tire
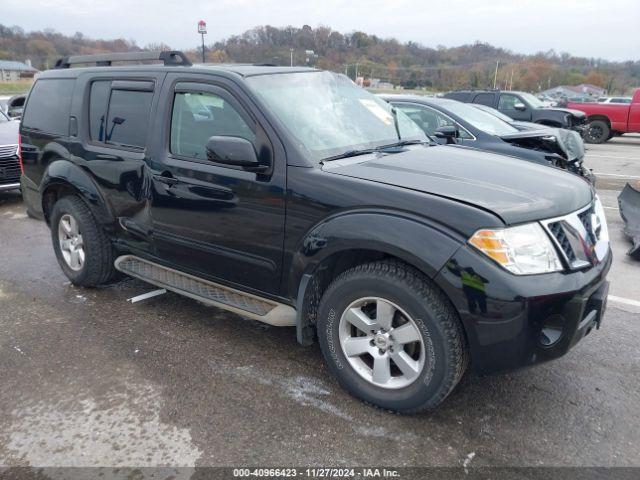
597,132
438,324
99,256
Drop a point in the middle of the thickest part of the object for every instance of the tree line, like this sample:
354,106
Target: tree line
410,64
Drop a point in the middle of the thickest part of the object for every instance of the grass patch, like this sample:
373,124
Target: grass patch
12,88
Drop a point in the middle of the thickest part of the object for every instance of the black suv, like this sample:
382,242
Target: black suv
294,197
524,107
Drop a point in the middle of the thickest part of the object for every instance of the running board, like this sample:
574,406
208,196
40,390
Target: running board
242,303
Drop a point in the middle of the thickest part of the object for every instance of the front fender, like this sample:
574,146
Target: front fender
63,173
422,243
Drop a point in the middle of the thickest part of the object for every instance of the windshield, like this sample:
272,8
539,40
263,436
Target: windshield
484,121
329,115
532,100
3,117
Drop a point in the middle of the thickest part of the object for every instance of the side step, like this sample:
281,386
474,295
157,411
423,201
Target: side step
221,296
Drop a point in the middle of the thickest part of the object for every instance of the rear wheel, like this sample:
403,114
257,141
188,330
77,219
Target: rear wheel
391,337
82,248
597,132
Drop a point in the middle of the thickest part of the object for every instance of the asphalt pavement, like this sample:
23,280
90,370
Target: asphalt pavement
89,379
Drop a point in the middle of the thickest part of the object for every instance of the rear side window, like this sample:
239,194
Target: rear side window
119,112
484,99
128,117
49,105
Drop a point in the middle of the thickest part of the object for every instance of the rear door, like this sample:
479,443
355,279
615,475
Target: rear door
212,219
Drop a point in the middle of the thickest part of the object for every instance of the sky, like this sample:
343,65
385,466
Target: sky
590,28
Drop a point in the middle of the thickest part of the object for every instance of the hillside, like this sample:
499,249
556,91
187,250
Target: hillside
409,64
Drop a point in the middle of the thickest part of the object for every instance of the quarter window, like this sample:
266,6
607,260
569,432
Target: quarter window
198,116
49,105
98,109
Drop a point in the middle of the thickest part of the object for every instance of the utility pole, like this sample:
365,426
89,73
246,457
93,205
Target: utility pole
202,29
511,81
291,56
356,71
495,77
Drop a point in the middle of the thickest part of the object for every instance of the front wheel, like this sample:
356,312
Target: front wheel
597,132
391,338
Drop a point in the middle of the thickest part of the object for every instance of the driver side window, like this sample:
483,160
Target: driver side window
197,116
507,102
429,120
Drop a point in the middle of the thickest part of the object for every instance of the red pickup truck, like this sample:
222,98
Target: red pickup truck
606,120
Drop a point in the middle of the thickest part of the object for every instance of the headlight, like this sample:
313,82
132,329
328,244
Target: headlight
523,250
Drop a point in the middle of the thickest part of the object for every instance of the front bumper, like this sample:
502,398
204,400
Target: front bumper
517,321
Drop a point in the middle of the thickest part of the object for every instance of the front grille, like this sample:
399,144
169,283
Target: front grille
581,242
9,164
563,242
8,150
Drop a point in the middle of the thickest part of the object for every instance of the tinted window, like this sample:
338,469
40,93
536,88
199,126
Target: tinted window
98,109
429,120
128,117
198,116
484,99
49,105
507,102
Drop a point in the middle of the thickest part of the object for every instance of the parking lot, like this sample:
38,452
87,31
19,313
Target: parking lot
90,379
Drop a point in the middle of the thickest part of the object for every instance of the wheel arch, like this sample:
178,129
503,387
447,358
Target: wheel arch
602,118
63,178
330,248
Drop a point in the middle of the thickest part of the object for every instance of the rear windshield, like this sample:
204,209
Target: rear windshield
48,106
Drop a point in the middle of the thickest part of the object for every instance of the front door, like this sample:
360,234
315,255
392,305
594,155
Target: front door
507,104
212,219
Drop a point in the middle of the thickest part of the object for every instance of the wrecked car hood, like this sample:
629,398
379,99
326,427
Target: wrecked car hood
514,190
567,143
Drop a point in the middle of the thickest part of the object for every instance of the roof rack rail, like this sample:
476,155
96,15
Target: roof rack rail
172,57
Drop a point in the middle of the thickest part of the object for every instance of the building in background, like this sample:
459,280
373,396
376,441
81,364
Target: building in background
582,91
12,71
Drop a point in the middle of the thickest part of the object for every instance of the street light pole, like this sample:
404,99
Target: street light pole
291,56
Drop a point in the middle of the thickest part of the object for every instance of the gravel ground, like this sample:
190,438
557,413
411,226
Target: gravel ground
89,379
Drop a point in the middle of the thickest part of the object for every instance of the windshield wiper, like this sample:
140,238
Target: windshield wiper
394,112
351,153
382,148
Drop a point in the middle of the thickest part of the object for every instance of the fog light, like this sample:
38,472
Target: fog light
551,332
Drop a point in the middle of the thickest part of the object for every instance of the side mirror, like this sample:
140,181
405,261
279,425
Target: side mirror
520,106
448,132
233,151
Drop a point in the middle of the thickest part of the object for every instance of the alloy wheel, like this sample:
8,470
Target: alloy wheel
382,342
71,242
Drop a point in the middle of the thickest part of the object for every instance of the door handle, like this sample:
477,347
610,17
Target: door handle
166,179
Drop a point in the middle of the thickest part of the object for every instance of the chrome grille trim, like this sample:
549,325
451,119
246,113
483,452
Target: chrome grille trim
574,236
9,150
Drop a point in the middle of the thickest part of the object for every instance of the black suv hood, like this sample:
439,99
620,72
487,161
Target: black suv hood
515,190
575,113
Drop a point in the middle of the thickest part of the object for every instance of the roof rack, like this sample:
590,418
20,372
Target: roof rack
173,57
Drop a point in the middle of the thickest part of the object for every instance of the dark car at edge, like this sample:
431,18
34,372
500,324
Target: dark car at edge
462,124
291,196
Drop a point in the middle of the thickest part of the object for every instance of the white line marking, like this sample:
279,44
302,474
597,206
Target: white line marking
612,156
616,175
611,208
626,301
